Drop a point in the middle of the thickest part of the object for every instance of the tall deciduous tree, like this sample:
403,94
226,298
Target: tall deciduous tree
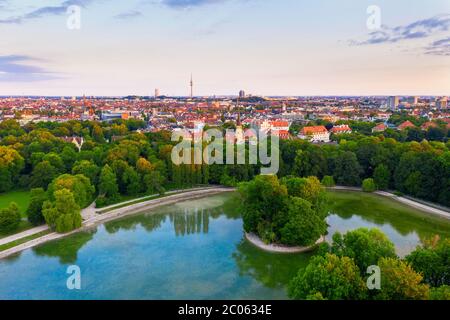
329,277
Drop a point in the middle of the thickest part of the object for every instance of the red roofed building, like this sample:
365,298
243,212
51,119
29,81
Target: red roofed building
341,129
405,125
315,134
379,128
428,125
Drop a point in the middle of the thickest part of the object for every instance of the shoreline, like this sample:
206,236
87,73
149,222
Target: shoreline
94,217
275,248
99,219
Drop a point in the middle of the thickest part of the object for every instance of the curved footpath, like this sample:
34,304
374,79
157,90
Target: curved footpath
96,218
276,248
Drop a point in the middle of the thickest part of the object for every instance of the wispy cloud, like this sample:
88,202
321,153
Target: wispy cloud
16,68
439,47
416,30
45,11
129,15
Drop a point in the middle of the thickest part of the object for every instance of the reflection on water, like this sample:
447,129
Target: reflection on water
273,270
190,250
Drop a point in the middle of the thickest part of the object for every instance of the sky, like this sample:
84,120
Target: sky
265,47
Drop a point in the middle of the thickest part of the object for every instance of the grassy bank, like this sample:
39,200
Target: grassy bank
22,198
13,244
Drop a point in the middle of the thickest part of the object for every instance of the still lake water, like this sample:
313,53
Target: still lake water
191,250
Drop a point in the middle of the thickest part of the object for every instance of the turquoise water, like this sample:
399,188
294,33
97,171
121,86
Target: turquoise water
192,250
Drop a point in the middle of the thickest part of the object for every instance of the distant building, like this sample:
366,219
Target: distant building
341,129
393,102
442,103
242,94
405,125
315,134
379,128
157,93
413,100
77,141
428,125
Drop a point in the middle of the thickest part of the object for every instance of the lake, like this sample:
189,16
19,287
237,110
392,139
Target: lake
191,250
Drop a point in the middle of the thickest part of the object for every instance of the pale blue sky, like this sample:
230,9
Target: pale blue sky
269,47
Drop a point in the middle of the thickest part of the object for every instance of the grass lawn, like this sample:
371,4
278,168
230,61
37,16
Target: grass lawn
22,198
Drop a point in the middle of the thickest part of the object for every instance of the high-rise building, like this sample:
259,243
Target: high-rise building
157,93
192,87
413,100
393,102
442,103
242,94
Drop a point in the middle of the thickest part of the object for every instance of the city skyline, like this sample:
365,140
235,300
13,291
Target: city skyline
265,48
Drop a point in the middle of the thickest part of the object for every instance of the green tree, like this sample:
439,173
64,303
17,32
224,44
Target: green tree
132,180
440,293
262,199
11,164
433,261
328,277
81,187
63,214
34,212
364,246
382,177
88,169
43,173
97,134
400,282
328,181
347,169
10,217
108,183
154,182
304,226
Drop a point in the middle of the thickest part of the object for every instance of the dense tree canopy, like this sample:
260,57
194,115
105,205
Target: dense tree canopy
291,212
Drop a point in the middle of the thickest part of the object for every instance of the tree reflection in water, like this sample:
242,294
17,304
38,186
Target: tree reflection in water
66,249
271,269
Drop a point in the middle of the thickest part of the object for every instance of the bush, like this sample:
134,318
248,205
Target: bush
328,181
369,185
10,217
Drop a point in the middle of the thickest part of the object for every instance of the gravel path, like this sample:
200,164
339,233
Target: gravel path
275,248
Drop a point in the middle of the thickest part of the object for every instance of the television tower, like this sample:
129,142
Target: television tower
192,87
